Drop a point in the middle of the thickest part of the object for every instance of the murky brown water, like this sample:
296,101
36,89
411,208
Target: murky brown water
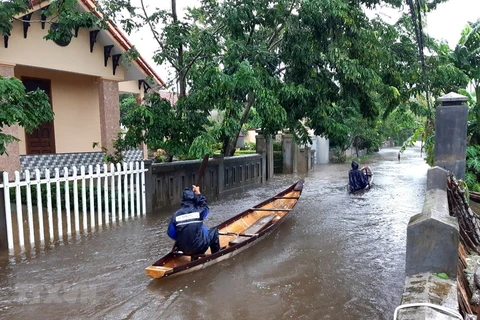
337,256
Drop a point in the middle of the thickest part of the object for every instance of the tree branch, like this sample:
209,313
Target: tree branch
280,28
273,45
281,70
155,35
252,30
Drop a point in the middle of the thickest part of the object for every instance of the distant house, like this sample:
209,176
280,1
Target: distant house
83,78
170,96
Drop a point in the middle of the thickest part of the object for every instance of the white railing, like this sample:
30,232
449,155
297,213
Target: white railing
115,193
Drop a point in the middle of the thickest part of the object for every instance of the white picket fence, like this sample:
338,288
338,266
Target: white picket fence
119,193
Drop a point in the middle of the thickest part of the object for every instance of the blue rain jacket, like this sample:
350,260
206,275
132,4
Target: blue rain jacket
186,225
357,180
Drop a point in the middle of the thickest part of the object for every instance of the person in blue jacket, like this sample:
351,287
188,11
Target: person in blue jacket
187,228
357,179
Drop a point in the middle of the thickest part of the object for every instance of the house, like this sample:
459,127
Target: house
83,78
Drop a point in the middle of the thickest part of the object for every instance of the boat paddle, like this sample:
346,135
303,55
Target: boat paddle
200,175
237,234
201,171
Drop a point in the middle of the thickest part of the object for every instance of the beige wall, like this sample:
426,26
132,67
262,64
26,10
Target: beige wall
38,52
76,107
130,87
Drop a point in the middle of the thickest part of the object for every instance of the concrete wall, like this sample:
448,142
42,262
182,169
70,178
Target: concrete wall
222,176
305,158
322,150
250,136
432,248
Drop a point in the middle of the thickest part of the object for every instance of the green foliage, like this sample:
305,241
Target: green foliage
28,110
128,103
242,59
339,155
249,146
119,147
240,152
277,162
472,175
277,146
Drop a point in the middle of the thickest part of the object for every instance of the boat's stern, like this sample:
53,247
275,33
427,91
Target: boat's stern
157,272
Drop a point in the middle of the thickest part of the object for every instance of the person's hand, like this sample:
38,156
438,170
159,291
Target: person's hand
196,189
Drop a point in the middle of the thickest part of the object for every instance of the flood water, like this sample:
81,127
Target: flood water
337,256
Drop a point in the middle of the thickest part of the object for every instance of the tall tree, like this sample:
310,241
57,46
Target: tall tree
317,63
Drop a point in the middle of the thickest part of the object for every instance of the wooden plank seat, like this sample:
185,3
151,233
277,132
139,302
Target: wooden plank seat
269,209
255,228
193,257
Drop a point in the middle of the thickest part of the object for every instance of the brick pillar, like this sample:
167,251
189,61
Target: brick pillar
11,162
109,111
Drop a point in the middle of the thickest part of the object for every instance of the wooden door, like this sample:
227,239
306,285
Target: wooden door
42,139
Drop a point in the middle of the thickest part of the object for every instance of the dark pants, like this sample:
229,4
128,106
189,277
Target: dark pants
213,241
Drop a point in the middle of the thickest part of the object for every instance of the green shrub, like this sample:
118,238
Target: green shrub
339,156
277,146
249,146
242,152
277,162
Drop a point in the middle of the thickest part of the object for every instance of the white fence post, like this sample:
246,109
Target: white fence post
67,201
8,210
132,193
29,207
58,195
39,205
119,182
18,200
84,198
112,189
75,200
144,197
105,193
99,195
137,187
125,190
92,199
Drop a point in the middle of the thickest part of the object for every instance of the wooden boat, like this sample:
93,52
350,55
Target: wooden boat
474,196
236,234
369,174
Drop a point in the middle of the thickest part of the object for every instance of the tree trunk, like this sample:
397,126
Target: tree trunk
181,73
477,94
230,143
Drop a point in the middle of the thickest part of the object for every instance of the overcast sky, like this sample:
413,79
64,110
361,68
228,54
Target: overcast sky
446,23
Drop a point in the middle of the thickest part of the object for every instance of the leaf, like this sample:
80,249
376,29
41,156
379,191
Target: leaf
441,275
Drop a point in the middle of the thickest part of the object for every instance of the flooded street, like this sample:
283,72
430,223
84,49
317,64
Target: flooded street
337,256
